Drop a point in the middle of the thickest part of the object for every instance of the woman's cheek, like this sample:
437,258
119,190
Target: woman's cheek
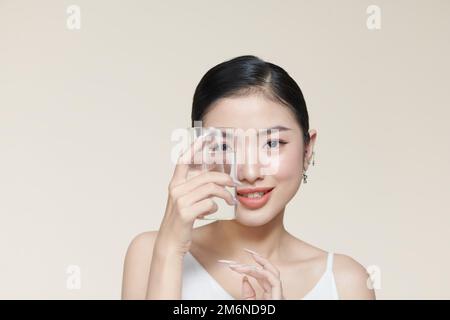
284,166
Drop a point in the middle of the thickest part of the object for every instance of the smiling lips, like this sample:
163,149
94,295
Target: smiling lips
254,198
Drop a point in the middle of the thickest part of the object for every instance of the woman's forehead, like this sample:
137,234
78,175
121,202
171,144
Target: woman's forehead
254,111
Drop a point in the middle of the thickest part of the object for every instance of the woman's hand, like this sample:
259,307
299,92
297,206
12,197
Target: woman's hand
188,199
267,276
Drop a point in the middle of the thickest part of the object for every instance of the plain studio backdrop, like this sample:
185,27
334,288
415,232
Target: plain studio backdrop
86,117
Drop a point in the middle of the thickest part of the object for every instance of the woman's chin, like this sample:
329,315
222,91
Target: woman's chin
254,218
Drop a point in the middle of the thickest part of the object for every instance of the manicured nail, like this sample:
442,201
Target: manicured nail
227,261
251,251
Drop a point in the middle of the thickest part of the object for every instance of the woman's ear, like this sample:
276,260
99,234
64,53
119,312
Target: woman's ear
309,149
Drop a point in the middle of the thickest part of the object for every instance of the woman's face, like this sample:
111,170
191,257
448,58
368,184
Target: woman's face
256,112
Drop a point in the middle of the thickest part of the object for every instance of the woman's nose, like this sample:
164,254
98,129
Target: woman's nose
248,166
249,172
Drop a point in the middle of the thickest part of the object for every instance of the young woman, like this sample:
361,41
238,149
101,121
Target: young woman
181,262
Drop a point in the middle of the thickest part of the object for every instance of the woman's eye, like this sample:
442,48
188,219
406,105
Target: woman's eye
222,147
274,143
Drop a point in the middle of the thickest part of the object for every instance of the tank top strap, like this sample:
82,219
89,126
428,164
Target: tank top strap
330,262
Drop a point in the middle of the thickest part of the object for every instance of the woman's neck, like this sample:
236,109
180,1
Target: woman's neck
231,237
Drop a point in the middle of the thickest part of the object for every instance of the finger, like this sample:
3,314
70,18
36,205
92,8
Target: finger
206,191
220,178
270,283
202,208
254,272
247,291
266,264
271,286
186,159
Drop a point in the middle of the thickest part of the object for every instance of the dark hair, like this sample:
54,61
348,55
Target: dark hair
244,75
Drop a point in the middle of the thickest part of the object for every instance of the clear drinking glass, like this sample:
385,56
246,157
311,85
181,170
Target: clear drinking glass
217,153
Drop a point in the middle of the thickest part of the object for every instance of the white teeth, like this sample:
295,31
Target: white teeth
254,195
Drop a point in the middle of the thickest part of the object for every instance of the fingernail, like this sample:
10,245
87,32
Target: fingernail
251,251
237,183
227,261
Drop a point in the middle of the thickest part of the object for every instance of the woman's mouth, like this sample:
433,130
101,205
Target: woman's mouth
254,198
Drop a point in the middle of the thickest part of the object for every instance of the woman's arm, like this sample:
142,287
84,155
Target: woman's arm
137,265
154,261
351,279
151,271
166,273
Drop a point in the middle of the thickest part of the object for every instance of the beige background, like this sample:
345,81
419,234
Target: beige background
86,117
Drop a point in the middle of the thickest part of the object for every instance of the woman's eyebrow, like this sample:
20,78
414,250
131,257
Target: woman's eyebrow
281,128
275,128
264,130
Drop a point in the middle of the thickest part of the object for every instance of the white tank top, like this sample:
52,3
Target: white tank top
198,284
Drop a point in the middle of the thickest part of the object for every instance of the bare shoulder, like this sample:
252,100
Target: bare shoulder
142,241
137,265
351,278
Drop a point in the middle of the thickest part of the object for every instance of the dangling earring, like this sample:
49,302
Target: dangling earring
303,173
313,158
